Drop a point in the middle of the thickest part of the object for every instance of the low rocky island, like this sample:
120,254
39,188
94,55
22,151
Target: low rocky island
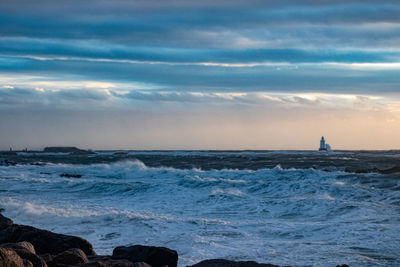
26,246
66,149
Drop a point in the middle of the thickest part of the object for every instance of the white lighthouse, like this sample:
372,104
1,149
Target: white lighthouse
322,145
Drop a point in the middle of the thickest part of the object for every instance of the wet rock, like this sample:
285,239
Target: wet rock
94,264
73,256
36,260
155,256
343,265
20,245
27,252
44,241
9,258
228,263
108,261
5,222
141,264
28,263
47,257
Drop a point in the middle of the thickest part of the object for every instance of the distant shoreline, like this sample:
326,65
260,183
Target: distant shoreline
216,150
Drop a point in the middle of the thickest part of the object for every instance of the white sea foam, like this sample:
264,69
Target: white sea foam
229,191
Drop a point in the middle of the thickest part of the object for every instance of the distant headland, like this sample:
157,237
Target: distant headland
66,149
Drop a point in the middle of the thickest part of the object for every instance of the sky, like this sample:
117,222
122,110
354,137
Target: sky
184,74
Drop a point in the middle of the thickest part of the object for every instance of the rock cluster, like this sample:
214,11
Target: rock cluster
66,149
26,246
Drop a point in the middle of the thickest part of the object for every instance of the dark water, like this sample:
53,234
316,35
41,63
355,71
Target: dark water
295,208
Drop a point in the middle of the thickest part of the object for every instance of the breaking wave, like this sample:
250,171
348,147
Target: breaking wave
284,216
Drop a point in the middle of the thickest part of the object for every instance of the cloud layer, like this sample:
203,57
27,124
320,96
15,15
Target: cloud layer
272,59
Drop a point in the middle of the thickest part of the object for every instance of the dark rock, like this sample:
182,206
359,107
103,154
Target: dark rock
33,258
343,265
68,175
227,263
109,262
73,256
20,245
61,149
44,241
27,252
27,263
47,257
155,256
5,222
93,264
140,264
67,149
9,258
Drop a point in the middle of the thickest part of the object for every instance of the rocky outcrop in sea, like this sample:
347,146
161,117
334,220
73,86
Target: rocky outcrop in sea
27,246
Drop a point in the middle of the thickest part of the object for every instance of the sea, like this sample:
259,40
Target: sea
297,208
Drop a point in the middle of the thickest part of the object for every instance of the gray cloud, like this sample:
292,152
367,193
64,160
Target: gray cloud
37,98
166,46
157,24
301,78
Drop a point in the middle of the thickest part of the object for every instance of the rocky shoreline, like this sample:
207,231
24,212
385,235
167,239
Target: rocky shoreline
27,246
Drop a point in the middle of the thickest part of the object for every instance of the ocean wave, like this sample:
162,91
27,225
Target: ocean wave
204,213
117,169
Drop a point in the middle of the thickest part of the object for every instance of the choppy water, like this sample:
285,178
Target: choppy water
286,208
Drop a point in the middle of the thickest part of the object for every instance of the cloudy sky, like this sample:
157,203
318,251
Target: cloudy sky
204,74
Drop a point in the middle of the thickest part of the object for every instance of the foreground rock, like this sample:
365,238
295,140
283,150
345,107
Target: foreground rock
227,263
43,241
110,262
26,246
72,256
9,258
5,222
155,256
27,252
